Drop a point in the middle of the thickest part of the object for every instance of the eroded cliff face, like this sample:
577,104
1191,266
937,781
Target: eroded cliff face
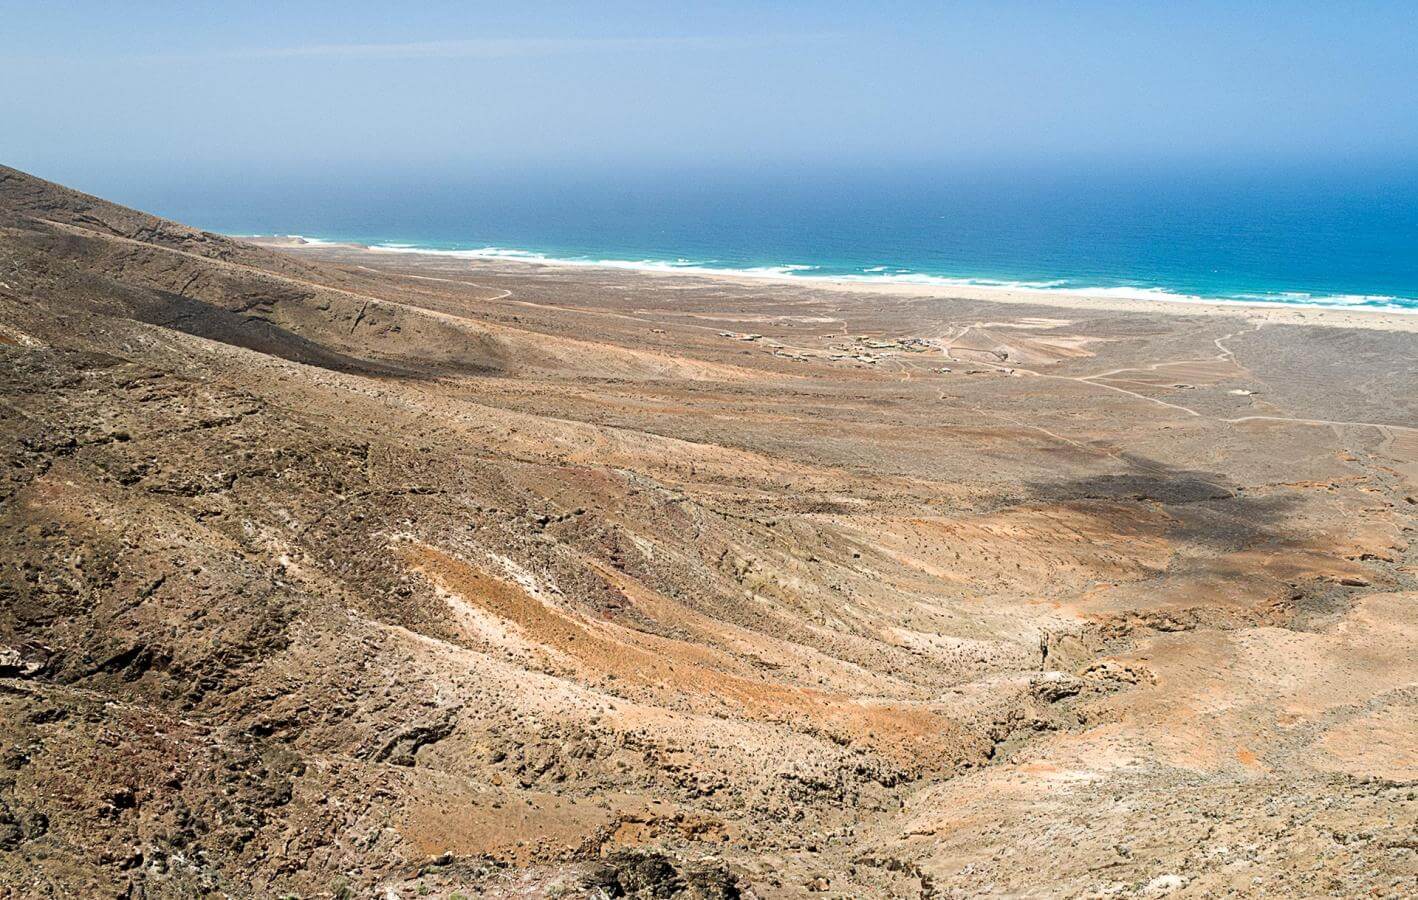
330,572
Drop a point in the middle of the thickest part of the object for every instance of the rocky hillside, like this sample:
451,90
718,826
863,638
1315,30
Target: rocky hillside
335,574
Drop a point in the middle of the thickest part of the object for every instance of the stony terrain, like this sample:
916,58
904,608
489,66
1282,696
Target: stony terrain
334,573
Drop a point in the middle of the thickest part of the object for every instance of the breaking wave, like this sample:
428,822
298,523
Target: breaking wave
886,275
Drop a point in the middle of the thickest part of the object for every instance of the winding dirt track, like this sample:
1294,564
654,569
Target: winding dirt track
335,572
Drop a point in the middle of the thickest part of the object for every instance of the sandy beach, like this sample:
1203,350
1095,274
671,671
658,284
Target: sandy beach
1171,305
352,573
720,451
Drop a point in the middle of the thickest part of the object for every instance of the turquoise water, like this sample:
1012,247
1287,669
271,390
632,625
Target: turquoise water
1332,238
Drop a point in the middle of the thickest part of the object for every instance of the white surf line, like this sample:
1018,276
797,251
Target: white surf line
946,349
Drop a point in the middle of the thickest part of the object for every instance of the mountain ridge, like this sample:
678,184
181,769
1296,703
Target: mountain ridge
335,573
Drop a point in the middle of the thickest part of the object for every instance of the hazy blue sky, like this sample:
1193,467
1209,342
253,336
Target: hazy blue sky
92,89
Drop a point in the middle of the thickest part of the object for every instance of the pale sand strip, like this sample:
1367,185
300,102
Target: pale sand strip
1382,320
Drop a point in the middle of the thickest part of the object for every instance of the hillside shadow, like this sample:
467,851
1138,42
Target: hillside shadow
1206,508
249,332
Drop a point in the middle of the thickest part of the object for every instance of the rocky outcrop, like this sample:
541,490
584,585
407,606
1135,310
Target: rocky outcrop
345,574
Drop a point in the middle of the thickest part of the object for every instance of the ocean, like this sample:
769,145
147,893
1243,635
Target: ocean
1328,237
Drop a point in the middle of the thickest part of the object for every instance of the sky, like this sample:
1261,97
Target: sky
97,92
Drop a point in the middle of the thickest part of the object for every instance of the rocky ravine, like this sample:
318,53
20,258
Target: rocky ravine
338,574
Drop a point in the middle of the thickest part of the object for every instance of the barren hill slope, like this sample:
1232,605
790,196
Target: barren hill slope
329,572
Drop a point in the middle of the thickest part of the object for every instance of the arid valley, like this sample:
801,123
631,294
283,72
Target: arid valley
330,572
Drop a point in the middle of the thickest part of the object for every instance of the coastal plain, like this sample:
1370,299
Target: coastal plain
334,572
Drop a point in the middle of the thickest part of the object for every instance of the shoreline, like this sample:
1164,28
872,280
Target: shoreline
655,557
1093,299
